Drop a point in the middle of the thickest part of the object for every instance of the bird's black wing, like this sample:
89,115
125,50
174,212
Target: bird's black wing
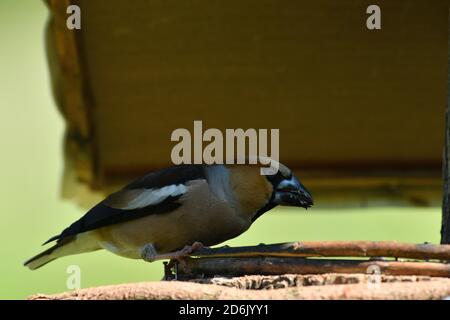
155,193
169,176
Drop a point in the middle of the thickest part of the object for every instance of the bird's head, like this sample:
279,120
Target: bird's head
288,190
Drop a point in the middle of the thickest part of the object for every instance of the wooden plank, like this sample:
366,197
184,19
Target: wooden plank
445,225
276,265
72,93
391,249
157,56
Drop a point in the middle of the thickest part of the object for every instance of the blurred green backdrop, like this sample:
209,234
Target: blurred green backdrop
31,164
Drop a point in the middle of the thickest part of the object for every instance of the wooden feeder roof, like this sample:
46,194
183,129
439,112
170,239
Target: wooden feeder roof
360,112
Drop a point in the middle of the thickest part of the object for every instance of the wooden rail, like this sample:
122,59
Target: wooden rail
232,267
302,258
391,249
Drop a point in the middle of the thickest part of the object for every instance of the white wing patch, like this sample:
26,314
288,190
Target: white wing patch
154,196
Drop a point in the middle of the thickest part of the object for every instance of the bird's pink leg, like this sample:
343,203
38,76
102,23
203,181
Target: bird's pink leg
150,254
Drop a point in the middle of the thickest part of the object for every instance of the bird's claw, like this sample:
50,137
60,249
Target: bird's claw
187,250
179,257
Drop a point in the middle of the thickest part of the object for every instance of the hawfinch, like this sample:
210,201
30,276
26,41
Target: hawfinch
161,215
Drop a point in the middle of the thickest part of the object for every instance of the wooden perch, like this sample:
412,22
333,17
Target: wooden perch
334,249
283,258
274,265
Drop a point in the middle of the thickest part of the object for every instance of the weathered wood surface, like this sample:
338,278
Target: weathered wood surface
437,288
334,249
269,282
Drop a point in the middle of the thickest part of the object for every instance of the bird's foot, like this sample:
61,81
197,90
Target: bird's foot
150,254
187,250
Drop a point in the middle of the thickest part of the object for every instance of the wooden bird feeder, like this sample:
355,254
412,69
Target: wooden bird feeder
360,115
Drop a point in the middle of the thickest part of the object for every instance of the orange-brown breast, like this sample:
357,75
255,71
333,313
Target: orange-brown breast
251,189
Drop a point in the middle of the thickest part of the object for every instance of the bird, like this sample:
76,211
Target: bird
169,213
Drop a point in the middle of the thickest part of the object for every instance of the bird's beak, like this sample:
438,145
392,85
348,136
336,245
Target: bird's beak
294,194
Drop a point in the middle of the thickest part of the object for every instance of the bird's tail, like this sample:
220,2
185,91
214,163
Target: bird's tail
41,259
79,244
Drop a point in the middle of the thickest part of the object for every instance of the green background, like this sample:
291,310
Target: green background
31,209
